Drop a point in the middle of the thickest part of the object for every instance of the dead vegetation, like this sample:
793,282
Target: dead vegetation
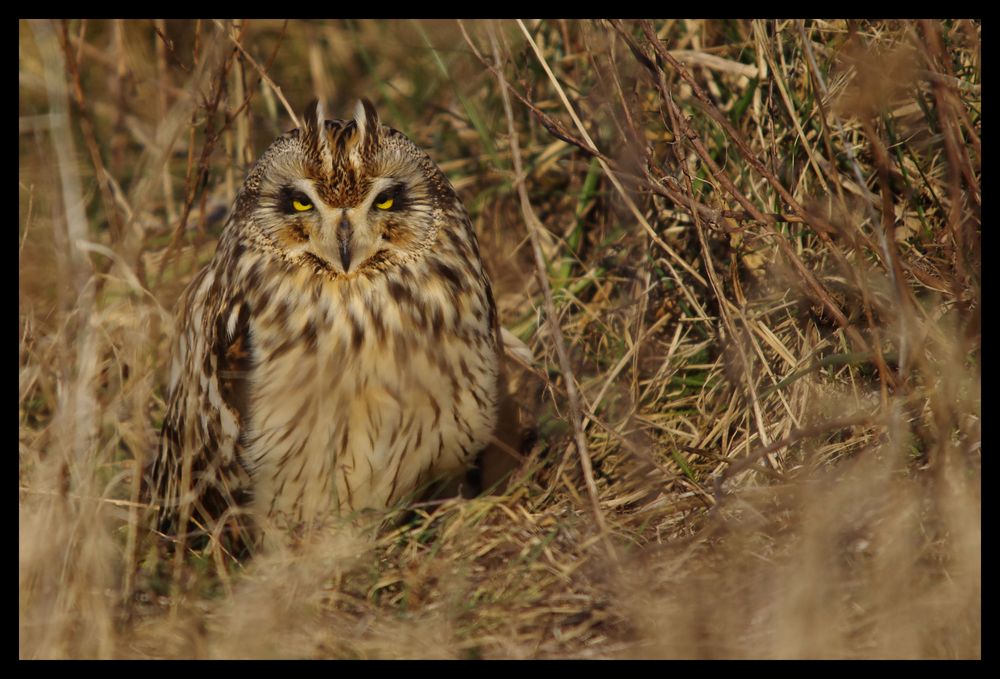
745,256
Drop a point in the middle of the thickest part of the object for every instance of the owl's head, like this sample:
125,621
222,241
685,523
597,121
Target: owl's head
345,197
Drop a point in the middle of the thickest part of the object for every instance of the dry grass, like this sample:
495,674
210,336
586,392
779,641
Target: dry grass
746,259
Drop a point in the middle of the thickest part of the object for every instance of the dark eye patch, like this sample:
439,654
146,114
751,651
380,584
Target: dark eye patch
394,193
289,196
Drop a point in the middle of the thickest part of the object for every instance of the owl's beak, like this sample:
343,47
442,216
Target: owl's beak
344,242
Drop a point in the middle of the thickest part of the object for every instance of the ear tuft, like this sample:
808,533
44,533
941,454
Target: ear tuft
320,115
311,115
314,130
366,119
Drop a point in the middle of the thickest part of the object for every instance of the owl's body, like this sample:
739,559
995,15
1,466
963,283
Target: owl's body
341,350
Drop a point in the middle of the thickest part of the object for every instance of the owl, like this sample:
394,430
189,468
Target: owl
341,351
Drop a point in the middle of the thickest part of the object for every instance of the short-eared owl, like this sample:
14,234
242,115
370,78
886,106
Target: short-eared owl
342,348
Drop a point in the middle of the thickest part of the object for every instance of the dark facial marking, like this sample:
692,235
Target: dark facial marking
289,195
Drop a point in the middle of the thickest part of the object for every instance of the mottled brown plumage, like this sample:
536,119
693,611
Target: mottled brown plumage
342,348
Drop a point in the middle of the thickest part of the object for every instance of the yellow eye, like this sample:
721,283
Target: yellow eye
299,206
384,205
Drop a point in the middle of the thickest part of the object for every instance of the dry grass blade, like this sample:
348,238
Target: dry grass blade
533,226
263,74
611,175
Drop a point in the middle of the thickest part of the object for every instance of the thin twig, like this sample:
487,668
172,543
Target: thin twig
734,337
263,73
607,169
89,136
195,178
533,225
796,435
103,500
821,226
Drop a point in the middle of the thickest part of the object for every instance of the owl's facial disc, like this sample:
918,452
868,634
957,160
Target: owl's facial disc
347,196
362,232
345,239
